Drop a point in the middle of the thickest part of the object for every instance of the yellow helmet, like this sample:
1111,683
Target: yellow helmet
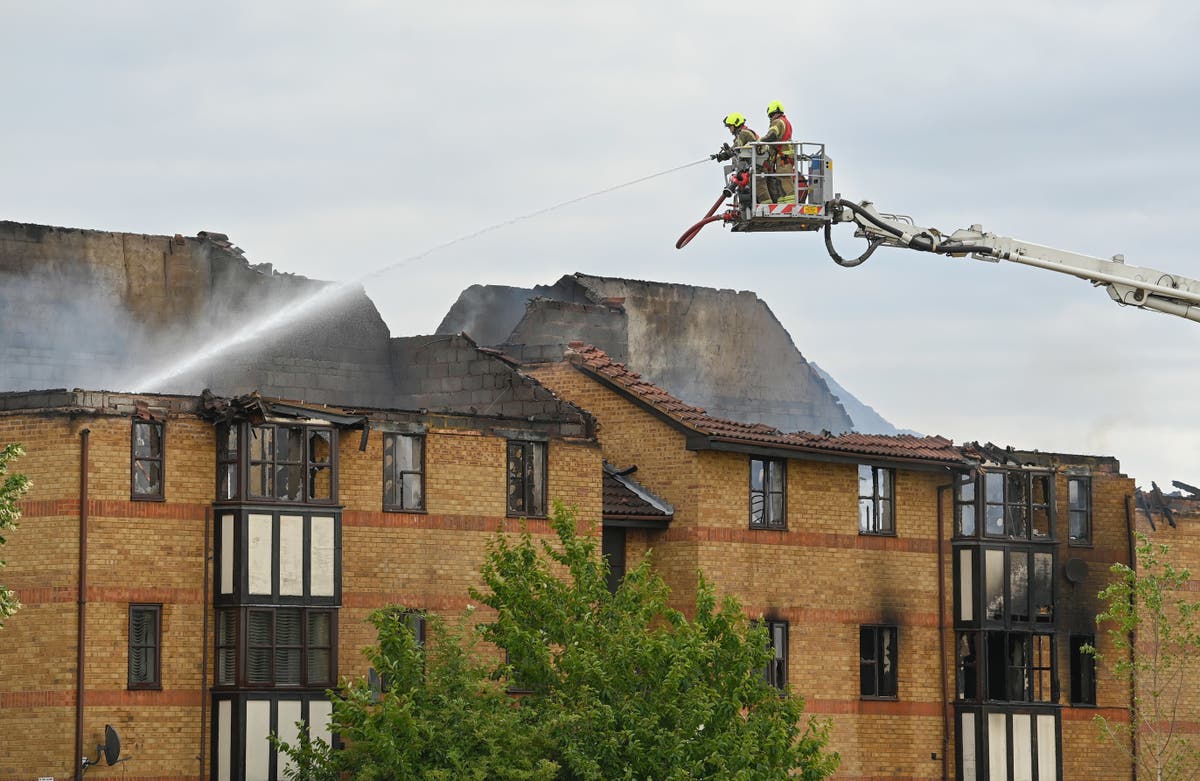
734,120
774,107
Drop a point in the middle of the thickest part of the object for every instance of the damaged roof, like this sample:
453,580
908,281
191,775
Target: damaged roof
629,503
709,432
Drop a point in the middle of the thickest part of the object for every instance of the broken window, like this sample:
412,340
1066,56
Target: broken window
145,643
968,666
877,661
290,463
1083,670
875,510
1016,504
1079,504
1018,585
768,493
526,478
1020,667
146,455
776,670
403,472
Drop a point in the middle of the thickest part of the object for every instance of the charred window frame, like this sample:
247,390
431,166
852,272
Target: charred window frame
1020,667
775,673
1079,511
276,647
1017,504
877,662
145,646
768,493
1083,671
289,463
965,506
876,500
147,457
1018,586
403,473
526,478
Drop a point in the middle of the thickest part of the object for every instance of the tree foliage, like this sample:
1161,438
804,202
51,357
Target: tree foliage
1156,638
12,488
614,686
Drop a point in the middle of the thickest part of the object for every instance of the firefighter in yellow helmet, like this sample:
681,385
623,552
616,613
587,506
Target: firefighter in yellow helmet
780,158
742,135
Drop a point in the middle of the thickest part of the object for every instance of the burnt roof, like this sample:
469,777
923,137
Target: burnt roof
709,432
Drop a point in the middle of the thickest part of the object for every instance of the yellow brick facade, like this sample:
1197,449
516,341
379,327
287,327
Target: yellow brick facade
154,553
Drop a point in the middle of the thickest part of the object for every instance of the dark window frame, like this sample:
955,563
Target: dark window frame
1011,616
1084,510
158,495
242,647
876,500
1016,505
154,681
396,476
532,500
873,635
229,462
1005,673
776,671
773,470
251,456
1082,670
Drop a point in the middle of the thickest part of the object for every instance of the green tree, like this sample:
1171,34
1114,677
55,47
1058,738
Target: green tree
12,488
1154,632
614,686
625,687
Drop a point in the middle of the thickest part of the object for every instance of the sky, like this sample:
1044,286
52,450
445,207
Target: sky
338,139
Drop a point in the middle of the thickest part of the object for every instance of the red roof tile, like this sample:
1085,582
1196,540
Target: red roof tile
904,446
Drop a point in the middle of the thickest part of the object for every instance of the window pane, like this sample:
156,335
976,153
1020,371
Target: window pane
287,666
287,627
757,505
288,483
1022,747
966,585
1040,523
966,489
414,494
262,440
866,515
320,482
994,487
756,474
258,665
1017,521
887,661
1043,586
993,571
228,482
1018,573
318,665
319,450
776,518
884,483
966,520
994,520
866,481
885,515
147,478
226,669
228,443
289,444
147,442
1015,488
537,474
318,629
967,666
1073,492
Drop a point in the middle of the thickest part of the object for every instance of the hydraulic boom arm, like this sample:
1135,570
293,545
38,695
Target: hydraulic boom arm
1127,285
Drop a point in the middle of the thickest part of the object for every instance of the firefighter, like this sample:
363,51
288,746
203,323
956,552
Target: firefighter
742,135
781,159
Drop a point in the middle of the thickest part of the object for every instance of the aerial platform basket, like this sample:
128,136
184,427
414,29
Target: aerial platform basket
772,186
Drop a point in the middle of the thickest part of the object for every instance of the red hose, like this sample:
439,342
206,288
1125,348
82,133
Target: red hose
691,232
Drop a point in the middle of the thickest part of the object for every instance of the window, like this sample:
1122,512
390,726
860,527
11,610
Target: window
776,671
877,661
1020,667
875,485
768,493
1016,504
1083,671
526,478
964,505
279,647
403,472
291,463
1079,504
227,462
146,455
145,644
1018,585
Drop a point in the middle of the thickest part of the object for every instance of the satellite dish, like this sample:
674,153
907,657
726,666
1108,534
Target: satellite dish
1076,570
112,745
